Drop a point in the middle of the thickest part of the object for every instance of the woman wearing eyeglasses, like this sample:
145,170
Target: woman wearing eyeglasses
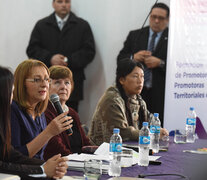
12,161
29,129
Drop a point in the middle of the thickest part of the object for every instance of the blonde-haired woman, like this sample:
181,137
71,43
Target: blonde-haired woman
29,129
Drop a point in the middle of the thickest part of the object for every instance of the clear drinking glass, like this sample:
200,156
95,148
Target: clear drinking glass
127,157
92,169
180,136
164,143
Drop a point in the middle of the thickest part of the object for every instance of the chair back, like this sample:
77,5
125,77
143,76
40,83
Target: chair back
200,130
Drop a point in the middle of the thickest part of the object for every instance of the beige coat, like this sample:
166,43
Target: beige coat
111,113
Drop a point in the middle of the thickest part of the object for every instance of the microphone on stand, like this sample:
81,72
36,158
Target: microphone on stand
54,98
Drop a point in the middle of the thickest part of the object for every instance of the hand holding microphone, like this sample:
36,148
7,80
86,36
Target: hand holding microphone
63,118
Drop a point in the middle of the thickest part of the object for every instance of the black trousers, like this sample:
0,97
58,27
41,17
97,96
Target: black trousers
152,106
147,96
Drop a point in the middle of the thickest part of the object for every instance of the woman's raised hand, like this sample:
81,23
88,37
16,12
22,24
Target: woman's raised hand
59,124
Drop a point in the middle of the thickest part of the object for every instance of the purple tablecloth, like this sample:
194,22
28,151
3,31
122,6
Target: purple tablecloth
174,161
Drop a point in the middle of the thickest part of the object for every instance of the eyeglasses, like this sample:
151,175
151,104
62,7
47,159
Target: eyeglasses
160,18
38,80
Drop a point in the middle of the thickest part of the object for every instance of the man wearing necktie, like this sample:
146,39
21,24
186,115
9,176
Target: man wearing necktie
64,39
149,46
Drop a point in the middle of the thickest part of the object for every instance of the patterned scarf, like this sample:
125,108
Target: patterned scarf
136,113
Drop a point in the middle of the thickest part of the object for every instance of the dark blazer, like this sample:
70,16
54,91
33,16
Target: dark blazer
61,143
138,40
18,164
75,41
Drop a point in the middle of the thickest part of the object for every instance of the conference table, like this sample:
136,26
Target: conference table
174,161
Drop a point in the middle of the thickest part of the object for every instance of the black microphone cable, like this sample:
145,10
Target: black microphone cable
143,25
148,15
146,175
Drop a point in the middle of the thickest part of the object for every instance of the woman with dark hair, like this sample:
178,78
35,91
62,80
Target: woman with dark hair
121,106
11,161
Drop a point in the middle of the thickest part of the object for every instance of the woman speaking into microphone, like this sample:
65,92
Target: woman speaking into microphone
29,129
12,161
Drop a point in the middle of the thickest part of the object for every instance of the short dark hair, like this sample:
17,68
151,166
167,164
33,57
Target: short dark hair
125,67
162,6
61,72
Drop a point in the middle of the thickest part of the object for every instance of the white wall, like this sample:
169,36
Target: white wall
110,20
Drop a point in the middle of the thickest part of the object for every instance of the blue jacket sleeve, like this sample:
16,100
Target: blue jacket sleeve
16,133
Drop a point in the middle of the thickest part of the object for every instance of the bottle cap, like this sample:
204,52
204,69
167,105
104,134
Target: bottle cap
116,130
191,108
145,123
156,114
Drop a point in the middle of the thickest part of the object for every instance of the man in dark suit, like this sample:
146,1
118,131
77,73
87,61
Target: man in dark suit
62,38
149,46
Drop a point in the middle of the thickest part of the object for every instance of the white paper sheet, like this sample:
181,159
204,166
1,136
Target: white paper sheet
102,153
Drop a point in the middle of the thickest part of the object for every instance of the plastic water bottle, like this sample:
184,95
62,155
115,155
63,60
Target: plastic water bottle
190,126
115,150
155,133
144,143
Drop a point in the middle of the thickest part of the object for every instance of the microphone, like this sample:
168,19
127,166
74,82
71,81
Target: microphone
54,98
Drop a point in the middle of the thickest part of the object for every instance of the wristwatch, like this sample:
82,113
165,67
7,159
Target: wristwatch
162,63
65,59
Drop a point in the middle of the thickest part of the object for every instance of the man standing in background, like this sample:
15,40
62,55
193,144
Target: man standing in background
149,46
62,38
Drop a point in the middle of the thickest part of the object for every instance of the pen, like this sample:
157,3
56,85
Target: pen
155,162
194,151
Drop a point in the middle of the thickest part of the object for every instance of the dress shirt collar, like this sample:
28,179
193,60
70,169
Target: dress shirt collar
158,34
58,19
